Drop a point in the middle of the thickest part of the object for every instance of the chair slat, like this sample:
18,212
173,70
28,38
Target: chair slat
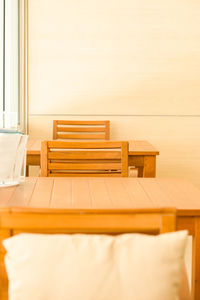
80,122
84,155
85,166
81,136
81,126
84,174
80,129
84,145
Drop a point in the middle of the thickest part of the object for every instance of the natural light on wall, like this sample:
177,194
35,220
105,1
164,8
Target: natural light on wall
9,98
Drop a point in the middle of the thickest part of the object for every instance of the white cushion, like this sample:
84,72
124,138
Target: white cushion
95,267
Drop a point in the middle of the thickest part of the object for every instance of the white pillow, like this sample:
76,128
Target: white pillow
95,267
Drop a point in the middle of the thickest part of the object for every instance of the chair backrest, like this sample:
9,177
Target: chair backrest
17,220
97,130
84,158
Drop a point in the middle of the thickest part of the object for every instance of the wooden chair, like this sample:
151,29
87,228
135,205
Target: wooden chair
98,130
84,158
17,220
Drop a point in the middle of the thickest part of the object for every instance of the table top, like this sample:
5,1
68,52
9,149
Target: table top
103,193
136,147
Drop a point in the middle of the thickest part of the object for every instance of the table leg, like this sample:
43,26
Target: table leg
32,160
140,171
27,170
196,260
149,169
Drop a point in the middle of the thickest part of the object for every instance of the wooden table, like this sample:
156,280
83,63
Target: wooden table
114,193
141,155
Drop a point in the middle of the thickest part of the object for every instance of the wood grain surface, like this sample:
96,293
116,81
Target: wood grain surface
108,193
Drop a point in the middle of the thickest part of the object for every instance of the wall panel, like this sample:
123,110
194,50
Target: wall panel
114,57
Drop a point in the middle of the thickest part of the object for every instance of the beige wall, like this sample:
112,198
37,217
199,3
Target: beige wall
136,63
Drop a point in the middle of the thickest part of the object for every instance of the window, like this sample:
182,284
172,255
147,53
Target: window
12,104
1,55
